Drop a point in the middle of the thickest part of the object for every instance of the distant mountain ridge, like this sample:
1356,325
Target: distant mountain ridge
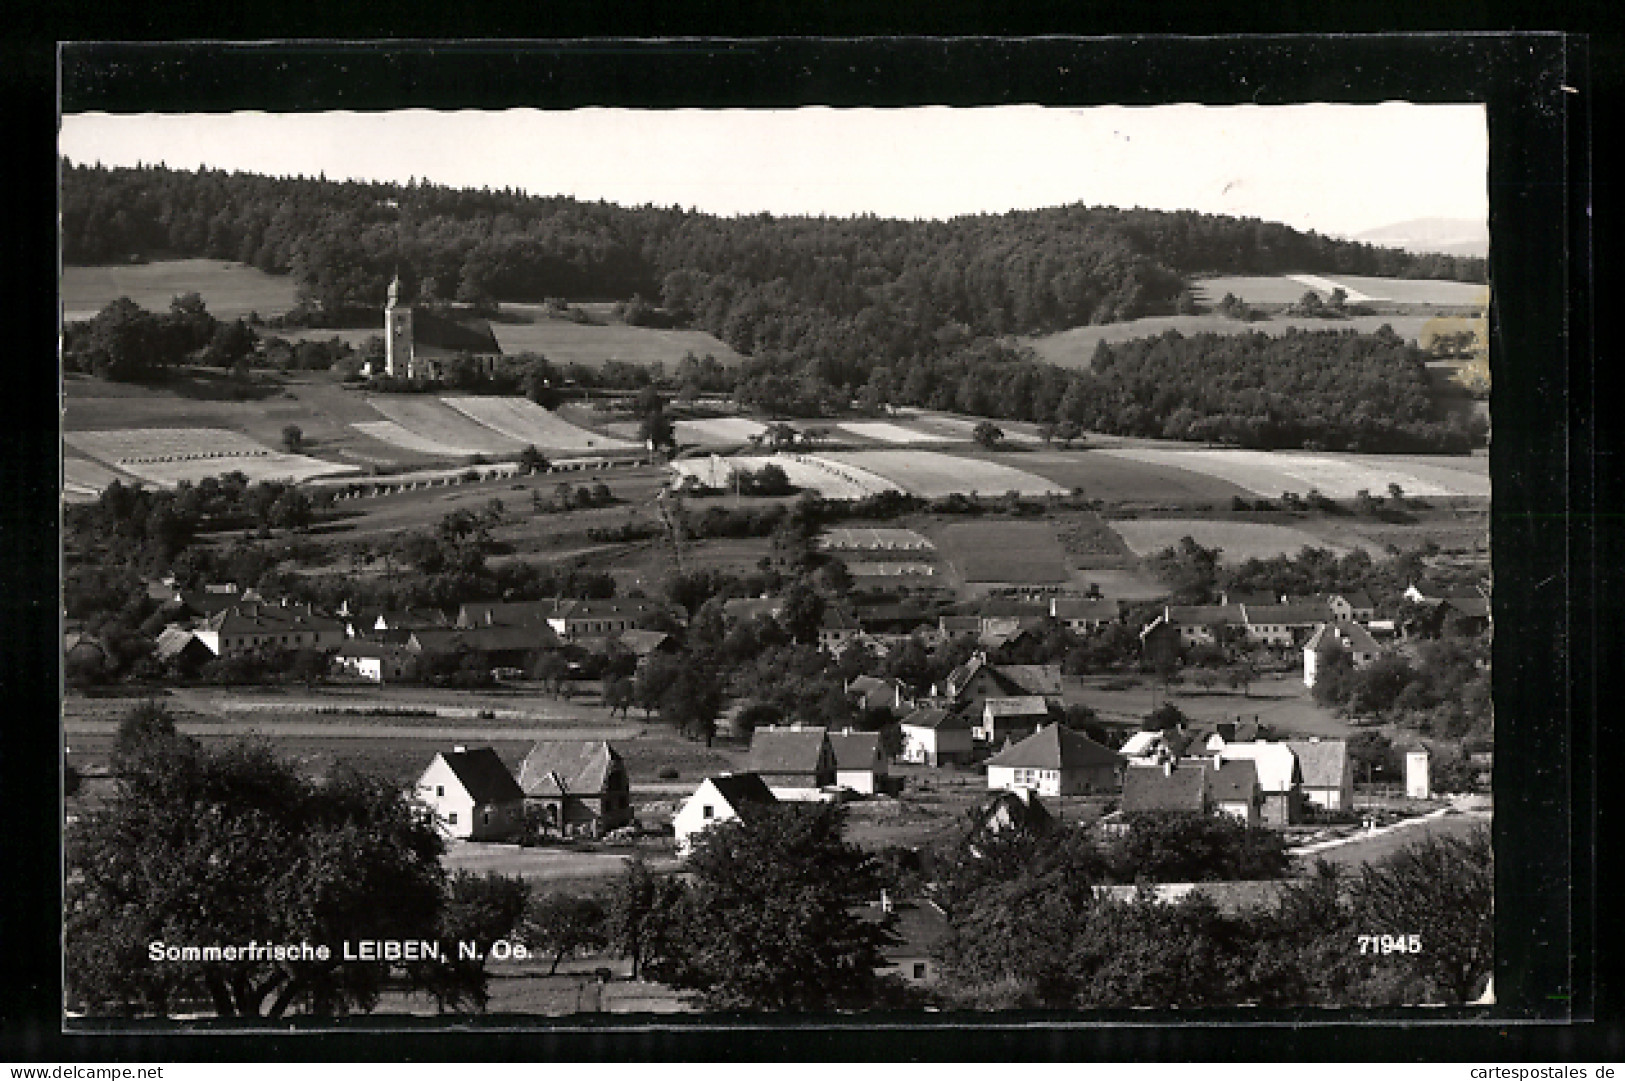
1443,236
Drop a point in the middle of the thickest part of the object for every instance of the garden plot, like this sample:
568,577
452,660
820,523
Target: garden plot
387,431
167,456
718,431
832,480
1270,473
1237,541
873,539
931,475
433,420
882,432
530,424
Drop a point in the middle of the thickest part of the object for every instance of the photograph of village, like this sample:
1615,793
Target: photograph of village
657,564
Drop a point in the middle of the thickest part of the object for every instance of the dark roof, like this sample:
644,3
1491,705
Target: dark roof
577,766
743,791
1149,788
1056,746
1357,599
484,776
1203,615
855,750
598,608
1351,635
1025,705
505,613
959,624
173,641
1084,608
920,925
1321,762
463,334
1233,779
256,618
643,643
784,750
1008,607
1303,613
1251,597
1043,679
450,639
1022,810
938,719
1473,606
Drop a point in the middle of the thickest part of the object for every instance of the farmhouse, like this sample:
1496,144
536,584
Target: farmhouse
1327,772
497,647
1083,615
976,680
245,627
1284,624
180,648
577,619
726,798
366,623
1279,779
379,662
936,737
473,795
1014,717
1232,789
506,614
795,762
876,693
1203,624
575,787
1194,786
1014,809
1331,638
919,927
1056,761
837,628
859,763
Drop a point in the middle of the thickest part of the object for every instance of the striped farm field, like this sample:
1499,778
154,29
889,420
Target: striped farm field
387,431
930,475
530,424
1119,480
431,419
829,479
964,428
1237,541
882,432
1270,473
167,456
718,431
84,473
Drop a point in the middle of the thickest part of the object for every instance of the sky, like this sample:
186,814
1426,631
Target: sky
1336,169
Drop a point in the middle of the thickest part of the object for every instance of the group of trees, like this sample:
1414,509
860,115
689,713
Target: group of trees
126,343
1445,691
1027,928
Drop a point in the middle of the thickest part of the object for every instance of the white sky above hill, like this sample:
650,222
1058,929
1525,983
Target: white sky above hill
1336,169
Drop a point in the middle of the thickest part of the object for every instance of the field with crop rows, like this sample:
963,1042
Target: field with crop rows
931,475
1270,473
228,289
1237,541
429,418
1122,480
947,427
715,431
166,456
1025,552
832,480
388,431
524,420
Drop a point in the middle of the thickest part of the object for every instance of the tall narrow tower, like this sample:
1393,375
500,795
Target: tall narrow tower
397,334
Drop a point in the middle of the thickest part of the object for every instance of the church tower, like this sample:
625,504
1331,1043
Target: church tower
398,357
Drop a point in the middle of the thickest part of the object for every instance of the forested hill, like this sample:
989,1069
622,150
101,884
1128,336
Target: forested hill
1021,272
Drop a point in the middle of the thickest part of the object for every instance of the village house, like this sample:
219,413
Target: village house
1283,625
970,684
1056,761
836,628
497,647
1327,772
473,795
245,627
877,693
859,762
1083,615
1194,786
576,619
378,662
376,622
179,648
959,626
727,798
1354,607
1279,778
919,926
1012,717
575,787
1330,638
935,736
1013,809
795,762
1203,624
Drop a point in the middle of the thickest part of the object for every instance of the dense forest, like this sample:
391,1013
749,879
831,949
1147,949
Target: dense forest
890,312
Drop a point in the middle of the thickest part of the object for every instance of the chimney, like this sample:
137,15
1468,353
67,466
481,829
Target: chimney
459,748
1167,767
885,901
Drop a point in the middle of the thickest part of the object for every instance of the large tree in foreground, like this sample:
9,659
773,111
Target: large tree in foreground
223,848
770,920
